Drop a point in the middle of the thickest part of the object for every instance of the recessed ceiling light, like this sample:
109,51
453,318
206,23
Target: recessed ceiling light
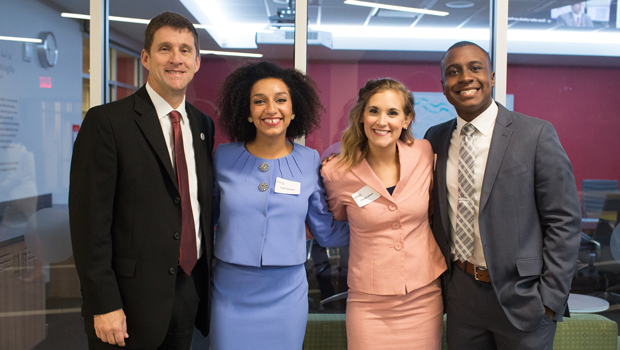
27,40
281,1
117,19
230,53
459,4
395,8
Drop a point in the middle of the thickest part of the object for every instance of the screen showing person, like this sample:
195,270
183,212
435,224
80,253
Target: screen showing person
583,14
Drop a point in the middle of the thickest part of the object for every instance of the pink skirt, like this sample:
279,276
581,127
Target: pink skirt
396,322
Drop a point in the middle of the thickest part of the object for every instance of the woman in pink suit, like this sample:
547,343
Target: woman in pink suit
381,183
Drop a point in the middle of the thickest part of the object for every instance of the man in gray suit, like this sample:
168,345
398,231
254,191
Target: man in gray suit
576,17
506,214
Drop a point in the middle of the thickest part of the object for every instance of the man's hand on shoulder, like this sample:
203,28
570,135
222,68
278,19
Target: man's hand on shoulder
328,159
111,328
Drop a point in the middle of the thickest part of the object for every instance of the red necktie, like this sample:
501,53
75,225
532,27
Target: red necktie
188,257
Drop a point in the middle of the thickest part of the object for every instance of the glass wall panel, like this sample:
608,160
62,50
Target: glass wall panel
349,45
228,29
558,72
126,68
41,111
563,66
39,289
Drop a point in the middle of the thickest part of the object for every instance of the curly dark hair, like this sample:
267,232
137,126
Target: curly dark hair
234,100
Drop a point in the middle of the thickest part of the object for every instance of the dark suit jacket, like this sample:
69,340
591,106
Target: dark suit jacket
530,220
125,212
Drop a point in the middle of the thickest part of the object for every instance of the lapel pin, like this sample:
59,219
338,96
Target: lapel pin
202,136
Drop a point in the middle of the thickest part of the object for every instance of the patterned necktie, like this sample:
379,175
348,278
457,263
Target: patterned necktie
188,258
465,209
579,21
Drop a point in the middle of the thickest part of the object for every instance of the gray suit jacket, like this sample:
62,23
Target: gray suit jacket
568,20
530,220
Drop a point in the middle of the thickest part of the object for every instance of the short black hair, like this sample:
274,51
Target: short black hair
169,19
234,100
462,44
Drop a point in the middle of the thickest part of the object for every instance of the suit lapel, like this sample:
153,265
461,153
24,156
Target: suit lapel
364,172
499,144
148,122
407,161
443,147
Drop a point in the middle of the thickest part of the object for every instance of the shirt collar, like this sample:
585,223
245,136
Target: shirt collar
162,107
484,122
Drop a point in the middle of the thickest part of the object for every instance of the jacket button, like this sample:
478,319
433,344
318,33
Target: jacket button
172,271
395,225
392,207
177,200
263,186
177,235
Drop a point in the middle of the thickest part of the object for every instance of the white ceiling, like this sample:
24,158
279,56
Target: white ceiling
427,43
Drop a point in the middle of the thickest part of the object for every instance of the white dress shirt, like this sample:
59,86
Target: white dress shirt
163,108
484,124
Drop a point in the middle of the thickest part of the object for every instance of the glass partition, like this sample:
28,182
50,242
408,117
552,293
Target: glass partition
563,66
40,112
566,74
351,44
44,96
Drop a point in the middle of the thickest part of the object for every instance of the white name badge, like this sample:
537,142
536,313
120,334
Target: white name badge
287,186
365,196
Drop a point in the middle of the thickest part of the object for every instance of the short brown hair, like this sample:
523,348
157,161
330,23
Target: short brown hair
169,19
354,138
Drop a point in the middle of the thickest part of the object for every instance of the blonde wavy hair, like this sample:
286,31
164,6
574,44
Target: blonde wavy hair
354,139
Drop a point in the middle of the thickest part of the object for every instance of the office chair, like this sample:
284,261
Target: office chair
599,185
593,193
607,234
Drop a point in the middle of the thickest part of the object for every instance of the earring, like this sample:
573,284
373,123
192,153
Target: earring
250,119
405,127
293,116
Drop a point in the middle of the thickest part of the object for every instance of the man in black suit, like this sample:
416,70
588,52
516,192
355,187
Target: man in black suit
130,217
506,214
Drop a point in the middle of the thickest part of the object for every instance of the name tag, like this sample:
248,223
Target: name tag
365,196
287,186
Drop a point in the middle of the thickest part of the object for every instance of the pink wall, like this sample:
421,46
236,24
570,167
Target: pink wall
579,101
582,104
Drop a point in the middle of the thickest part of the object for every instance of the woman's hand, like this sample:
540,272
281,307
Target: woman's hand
309,234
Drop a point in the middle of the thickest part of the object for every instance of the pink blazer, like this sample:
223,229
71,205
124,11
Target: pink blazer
392,248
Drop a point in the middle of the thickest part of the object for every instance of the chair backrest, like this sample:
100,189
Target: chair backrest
593,192
610,216
607,233
599,185
614,244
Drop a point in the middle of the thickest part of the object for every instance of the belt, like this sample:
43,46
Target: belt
480,274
